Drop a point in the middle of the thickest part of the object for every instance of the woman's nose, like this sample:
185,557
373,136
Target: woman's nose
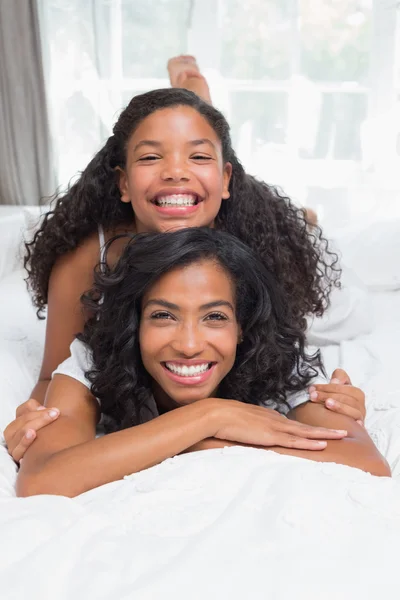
188,341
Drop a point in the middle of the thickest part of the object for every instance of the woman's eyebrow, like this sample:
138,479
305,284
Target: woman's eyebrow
172,306
160,302
217,303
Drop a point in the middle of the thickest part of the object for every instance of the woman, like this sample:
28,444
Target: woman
182,324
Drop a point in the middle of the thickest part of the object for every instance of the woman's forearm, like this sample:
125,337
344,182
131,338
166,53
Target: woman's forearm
70,471
356,450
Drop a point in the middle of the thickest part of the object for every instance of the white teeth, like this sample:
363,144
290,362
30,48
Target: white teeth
185,371
176,200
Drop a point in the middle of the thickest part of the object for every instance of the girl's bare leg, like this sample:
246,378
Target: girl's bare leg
184,73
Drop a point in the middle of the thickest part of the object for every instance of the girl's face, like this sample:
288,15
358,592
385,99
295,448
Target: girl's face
189,333
175,175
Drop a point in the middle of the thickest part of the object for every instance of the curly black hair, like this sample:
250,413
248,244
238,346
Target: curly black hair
256,213
271,359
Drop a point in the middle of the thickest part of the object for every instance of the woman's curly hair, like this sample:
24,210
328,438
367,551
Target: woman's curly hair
271,361
256,213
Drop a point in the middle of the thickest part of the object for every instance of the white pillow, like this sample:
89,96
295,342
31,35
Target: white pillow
373,252
21,345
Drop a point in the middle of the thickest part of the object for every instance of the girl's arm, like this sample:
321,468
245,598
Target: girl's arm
71,276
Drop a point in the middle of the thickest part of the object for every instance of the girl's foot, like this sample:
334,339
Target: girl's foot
184,73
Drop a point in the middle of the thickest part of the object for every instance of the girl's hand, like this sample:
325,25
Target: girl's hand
259,426
20,433
340,396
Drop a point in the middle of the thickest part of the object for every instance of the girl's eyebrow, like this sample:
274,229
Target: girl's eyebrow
157,144
171,306
147,143
202,141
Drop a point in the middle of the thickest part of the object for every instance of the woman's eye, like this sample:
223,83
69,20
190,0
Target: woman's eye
161,315
216,317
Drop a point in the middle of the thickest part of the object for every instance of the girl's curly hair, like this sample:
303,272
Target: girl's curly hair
271,360
256,213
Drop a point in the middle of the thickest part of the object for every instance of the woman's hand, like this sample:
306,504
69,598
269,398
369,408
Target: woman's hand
259,426
340,396
20,433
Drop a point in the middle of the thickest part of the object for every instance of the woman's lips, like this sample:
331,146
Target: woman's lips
190,379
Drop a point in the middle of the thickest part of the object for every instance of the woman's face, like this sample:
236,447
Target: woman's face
175,175
189,333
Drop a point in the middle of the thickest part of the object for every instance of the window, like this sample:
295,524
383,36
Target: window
310,89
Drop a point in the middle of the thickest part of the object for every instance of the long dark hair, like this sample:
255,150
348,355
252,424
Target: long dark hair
256,213
271,360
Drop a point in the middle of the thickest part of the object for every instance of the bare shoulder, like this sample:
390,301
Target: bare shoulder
82,260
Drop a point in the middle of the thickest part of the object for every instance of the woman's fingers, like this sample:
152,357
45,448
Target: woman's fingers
317,433
292,441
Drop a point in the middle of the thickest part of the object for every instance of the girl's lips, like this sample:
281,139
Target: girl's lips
177,211
192,379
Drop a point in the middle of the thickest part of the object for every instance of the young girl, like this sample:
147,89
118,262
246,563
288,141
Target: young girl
183,323
168,164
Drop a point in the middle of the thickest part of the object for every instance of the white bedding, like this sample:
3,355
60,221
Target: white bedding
231,524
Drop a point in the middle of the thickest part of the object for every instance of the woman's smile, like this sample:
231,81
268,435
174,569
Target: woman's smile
191,372
189,333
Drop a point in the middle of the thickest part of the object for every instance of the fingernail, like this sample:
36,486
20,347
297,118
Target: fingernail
30,434
314,395
330,403
341,431
312,388
334,380
361,423
54,412
41,408
322,444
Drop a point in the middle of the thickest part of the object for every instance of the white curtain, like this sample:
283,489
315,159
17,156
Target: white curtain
310,87
26,174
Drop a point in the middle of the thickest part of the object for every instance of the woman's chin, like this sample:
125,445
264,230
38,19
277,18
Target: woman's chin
189,398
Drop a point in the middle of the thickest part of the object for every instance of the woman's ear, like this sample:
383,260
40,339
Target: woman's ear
227,178
123,184
240,337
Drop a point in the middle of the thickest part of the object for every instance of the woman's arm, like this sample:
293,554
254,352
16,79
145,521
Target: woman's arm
355,450
66,459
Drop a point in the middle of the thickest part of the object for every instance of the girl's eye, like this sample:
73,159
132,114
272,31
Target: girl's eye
201,157
216,316
148,158
161,314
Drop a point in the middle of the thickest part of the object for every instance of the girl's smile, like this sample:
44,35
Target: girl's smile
175,175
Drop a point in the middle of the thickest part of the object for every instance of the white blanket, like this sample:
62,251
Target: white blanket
231,524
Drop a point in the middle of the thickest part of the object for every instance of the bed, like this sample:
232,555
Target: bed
230,524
